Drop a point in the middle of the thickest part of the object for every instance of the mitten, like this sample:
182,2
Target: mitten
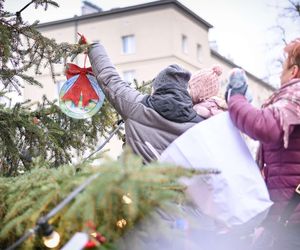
237,83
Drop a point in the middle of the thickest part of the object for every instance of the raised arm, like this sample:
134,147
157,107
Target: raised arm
259,124
123,98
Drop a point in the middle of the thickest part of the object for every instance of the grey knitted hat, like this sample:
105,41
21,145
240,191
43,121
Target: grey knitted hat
172,74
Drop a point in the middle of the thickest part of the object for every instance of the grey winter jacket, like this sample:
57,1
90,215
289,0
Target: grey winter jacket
143,125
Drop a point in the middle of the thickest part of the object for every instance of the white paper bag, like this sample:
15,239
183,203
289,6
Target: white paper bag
238,193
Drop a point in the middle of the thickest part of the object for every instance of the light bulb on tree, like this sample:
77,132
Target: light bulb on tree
52,240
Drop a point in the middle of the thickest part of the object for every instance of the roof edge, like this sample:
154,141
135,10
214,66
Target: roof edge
129,8
217,54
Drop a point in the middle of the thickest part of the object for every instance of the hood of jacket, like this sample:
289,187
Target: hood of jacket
172,103
170,97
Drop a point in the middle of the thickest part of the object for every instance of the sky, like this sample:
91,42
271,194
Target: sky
241,28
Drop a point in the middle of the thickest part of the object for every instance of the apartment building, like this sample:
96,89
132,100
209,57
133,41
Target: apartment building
141,40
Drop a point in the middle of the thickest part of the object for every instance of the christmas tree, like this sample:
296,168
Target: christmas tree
28,130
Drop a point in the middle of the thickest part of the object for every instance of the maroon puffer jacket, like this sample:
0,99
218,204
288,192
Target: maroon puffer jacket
281,166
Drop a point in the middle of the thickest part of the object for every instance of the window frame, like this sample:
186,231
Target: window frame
184,44
199,52
128,44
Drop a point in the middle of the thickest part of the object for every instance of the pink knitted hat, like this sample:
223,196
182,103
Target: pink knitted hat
205,83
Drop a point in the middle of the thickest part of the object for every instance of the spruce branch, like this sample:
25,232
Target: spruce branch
24,47
37,3
25,199
48,133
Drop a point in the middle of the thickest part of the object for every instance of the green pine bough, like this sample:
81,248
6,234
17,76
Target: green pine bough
26,198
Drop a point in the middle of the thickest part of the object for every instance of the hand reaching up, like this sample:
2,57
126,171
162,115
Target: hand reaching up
237,84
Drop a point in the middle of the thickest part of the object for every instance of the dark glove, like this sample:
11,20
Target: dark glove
237,84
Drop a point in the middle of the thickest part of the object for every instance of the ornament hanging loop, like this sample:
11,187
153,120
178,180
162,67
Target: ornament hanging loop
82,41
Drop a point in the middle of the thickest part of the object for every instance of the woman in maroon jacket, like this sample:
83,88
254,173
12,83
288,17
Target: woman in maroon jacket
277,127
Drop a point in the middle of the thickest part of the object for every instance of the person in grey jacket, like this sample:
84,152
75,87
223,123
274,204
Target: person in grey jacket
153,121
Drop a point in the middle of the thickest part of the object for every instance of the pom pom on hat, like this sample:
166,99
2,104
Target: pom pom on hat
205,83
217,69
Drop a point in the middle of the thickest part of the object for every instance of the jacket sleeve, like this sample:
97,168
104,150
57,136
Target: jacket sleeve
259,124
122,97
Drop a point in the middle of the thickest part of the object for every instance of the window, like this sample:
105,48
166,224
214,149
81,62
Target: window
184,44
128,76
199,53
128,44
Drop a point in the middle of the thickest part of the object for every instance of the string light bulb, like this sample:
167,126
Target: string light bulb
94,234
126,199
121,223
52,240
